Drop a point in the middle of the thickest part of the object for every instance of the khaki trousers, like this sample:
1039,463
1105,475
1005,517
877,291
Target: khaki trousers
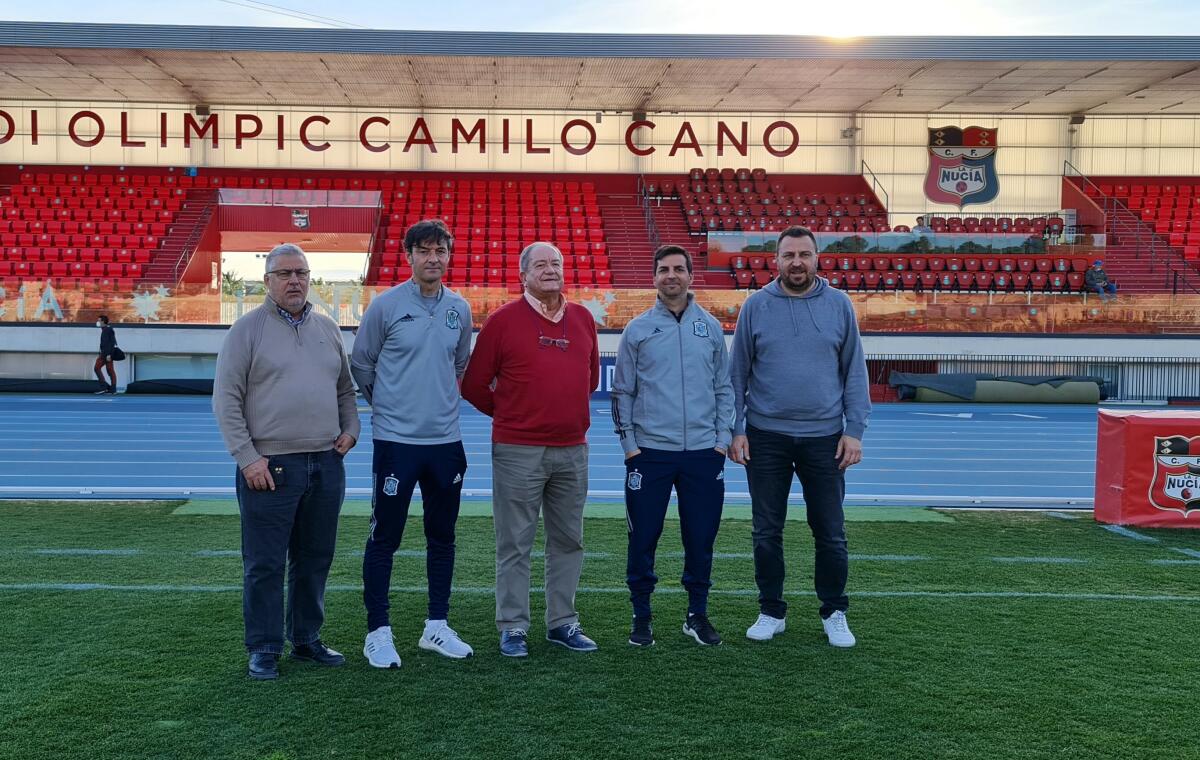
527,480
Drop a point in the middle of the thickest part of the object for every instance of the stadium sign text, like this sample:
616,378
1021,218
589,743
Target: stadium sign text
88,129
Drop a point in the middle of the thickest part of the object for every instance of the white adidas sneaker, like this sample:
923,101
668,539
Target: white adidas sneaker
838,630
765,628
441,638
380,650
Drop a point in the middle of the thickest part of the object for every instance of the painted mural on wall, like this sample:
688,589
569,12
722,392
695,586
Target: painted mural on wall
962,166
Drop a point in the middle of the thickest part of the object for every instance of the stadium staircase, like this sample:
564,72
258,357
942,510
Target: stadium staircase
1153,233
99,231
166,264
629,245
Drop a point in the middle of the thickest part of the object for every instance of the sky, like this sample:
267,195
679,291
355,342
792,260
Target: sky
829,18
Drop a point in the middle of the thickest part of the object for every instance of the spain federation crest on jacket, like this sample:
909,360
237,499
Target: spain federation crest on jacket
1176,483
962,166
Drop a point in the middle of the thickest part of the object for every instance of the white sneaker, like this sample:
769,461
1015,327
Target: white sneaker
441,638
838,630
765,628
379,649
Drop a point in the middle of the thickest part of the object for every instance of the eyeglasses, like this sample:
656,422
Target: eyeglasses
287,274
425,253
562,343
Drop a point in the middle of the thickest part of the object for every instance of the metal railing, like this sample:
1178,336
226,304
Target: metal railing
193,238
877,188
648,214
1128,229
374,236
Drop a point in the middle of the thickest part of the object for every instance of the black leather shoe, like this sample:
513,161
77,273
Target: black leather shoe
318,653
264,666
571,636
641,635
514,643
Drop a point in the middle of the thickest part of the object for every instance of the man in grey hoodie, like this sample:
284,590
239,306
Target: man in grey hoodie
672,405
802,402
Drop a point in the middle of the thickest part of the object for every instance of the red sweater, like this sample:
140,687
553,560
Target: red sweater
542,393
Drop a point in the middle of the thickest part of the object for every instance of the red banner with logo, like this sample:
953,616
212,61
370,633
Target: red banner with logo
1148,468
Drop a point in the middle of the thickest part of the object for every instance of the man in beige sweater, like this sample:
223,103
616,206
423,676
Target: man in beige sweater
286,407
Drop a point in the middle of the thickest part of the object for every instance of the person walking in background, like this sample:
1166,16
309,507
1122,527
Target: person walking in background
535,365
108,345
672,404
801,396
409,354
286,406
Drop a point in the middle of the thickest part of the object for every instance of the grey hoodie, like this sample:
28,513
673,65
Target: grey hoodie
407,361
671,387
797,364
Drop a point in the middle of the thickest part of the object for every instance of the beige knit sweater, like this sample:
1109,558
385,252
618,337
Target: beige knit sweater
281,389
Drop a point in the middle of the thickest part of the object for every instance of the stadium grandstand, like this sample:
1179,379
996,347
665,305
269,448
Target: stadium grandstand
957,186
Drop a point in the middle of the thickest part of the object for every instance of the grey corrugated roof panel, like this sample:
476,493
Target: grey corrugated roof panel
523,44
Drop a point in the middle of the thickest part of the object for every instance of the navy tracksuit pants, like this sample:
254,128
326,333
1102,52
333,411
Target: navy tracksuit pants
397,468
698,478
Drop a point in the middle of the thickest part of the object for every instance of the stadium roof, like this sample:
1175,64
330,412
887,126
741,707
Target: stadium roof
598,72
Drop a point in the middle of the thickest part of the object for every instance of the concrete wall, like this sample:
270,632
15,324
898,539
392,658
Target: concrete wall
84,340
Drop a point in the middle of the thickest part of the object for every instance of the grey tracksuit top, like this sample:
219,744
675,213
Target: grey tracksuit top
407,361
671,388
797,364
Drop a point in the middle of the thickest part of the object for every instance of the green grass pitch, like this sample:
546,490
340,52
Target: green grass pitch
981,635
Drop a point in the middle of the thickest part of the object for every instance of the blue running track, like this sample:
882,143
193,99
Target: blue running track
168,447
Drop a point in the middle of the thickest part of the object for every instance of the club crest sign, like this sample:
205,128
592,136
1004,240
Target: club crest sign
962,166
1175,486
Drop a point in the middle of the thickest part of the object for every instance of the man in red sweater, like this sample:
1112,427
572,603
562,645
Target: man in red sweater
535,365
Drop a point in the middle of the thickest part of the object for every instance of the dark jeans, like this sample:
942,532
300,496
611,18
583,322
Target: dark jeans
397,468
698,479
294,525
773,460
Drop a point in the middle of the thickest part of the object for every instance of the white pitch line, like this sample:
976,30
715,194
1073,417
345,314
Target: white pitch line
487,591
1042,560
1127,533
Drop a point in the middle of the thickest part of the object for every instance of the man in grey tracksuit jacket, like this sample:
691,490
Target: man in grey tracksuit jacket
672,407
410,352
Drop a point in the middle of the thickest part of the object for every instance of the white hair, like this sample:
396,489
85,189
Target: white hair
528,251
284,249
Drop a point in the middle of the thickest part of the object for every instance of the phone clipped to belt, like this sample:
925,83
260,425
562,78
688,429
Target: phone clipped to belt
278,475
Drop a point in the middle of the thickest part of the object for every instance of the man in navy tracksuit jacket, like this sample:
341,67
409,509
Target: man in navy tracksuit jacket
672,404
